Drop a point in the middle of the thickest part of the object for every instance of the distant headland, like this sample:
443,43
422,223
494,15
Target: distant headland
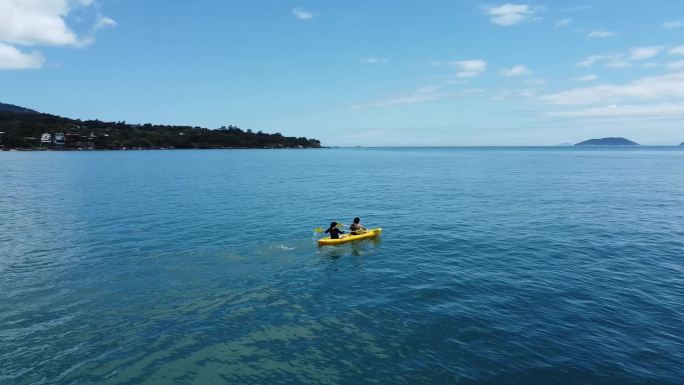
25,129
607,142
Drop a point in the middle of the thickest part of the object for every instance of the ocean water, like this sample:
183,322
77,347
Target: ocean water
496,266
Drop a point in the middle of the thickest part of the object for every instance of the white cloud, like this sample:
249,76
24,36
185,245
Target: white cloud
511,14
41,22
469,68
373,60
103,22
11,58
650,64
657,111
673,24
593,59
640,53
562,23
601,34
423,94
303,14
649,88
608,60
676,65
519,70
623,59
677,50
585,78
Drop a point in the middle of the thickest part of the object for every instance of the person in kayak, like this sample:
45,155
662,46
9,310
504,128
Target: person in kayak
356,228
334,231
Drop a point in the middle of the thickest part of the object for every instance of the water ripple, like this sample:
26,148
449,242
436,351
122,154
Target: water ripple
497,266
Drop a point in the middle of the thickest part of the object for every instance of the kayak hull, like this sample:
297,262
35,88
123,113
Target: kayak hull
370,234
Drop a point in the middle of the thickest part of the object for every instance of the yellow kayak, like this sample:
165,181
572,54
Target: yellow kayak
370,234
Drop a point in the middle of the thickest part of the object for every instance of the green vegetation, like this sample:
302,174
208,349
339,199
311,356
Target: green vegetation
22,129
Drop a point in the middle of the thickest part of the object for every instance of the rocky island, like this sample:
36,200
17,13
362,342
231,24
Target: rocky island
607,142
25,129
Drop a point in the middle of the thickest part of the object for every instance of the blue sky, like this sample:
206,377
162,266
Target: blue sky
357,72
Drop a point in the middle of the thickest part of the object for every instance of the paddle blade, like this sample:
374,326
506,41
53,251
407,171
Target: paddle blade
318,230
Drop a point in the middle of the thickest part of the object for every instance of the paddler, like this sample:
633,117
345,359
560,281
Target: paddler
334,231
356,228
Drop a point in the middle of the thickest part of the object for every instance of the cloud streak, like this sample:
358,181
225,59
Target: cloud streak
103,22
420,95
510,14
302,14
585,78
644,89
601,34
623,59
676,66
608,60
673,24
373,60
641,53
562,23
519,70
469,68
659,111
677,51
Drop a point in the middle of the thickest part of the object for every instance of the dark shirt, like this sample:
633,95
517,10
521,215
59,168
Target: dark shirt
334,232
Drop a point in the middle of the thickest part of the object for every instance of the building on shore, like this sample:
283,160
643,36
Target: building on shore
46,138
59,139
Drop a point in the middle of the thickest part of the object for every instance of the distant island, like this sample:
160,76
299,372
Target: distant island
681,144
25,129
607,142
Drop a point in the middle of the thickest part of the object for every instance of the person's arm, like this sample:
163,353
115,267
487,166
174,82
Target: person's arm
327,231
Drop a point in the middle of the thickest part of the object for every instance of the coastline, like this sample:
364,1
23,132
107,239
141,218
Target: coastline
153,149
487,147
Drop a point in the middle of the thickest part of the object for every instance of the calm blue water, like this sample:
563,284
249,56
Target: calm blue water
497,266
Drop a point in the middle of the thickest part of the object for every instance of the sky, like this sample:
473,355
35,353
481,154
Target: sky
357,73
